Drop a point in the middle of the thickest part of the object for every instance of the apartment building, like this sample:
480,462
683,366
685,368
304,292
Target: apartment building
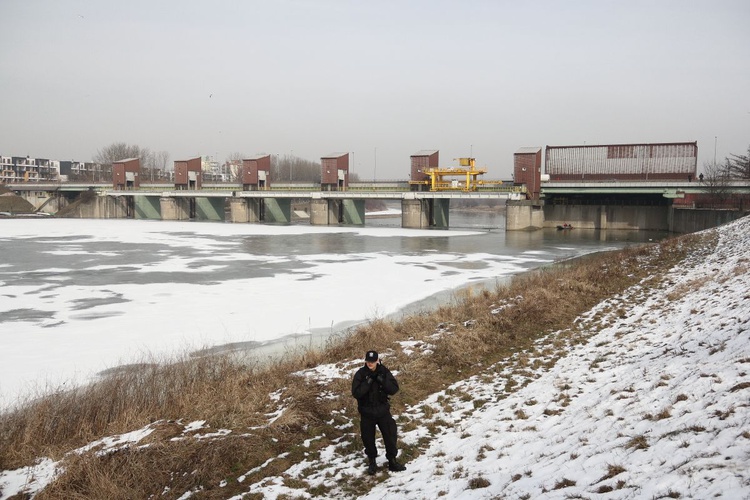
27,169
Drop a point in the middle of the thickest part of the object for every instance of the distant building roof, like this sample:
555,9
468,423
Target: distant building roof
334,155
257,157
528,150
426,152
126,159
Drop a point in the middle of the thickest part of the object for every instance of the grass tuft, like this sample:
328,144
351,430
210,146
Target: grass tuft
478,482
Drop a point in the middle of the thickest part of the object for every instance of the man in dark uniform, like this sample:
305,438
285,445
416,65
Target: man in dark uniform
372,386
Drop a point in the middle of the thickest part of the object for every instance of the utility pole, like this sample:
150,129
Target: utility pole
716,138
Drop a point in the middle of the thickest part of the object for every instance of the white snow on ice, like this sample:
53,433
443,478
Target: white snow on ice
136,322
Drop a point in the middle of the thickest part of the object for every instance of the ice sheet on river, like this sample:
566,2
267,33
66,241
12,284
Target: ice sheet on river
81,296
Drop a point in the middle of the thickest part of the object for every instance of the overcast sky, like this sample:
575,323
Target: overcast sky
381,80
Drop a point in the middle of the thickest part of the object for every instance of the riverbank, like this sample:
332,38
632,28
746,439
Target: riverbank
624,374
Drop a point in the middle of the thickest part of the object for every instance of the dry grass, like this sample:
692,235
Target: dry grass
478,482
639,442
465,337
686,288
564,483
612,471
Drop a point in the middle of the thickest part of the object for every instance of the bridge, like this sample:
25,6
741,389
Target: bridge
612,186
644,205
219,202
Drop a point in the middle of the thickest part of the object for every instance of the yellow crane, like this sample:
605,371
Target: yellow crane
467,173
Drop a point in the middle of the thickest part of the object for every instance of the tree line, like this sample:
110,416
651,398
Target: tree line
738,166
717,179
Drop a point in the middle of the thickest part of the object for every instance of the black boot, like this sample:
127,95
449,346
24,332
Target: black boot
394,466
372,467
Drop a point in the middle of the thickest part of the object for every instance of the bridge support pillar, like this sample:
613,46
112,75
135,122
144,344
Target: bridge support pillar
103,207
54,204
602,217
174,208
246,209
324,212
415,214
523,215
239,210
425,213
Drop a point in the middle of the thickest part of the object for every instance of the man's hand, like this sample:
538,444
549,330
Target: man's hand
381,378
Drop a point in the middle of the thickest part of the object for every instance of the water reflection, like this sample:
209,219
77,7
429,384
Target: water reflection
491,238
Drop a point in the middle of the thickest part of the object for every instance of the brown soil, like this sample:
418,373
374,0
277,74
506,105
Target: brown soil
10,202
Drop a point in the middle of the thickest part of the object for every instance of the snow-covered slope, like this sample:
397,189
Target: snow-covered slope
654,404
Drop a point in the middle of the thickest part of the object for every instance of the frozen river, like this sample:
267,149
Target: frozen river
78,297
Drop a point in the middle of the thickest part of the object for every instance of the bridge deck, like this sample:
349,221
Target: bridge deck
632,187
392,191
297,192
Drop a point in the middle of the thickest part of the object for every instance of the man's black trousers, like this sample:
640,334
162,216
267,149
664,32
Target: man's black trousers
387,427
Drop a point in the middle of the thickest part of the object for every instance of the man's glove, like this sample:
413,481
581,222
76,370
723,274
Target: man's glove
370,377
381,378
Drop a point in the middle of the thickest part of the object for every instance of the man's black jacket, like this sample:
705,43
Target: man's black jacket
372,390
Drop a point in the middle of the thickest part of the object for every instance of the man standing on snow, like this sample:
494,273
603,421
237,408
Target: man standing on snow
372,386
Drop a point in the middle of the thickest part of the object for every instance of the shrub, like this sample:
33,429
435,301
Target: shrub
478,482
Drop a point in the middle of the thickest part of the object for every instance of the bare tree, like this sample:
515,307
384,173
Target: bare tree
160,162
120,151
155,164
716,182
294,168
147,166
738,166
234,164
116,151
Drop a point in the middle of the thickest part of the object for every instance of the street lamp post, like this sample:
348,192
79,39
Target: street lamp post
716,138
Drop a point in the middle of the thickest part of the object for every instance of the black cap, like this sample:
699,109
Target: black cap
371,356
